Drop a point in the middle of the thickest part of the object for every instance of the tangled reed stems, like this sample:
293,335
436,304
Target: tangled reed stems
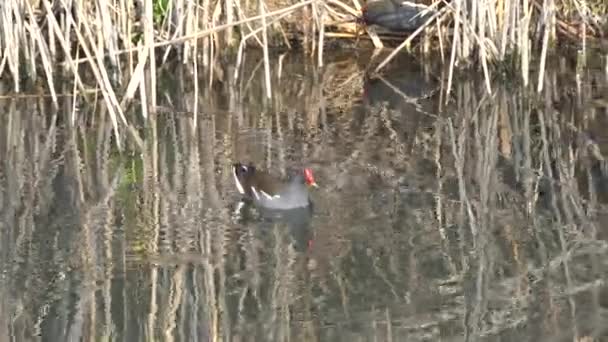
65,38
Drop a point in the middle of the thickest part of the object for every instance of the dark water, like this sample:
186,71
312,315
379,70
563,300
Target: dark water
439,217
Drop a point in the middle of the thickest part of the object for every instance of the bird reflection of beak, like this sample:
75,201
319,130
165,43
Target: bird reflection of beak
314,185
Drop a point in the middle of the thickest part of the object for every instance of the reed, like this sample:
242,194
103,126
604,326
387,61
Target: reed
489,33
49,36
121,42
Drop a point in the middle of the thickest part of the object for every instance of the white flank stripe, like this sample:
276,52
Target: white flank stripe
237,210
268,196
413,4
239,187
255,193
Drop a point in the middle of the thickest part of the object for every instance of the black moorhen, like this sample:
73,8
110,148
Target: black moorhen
271,193
396,15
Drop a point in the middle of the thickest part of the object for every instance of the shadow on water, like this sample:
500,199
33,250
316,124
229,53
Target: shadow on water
480,217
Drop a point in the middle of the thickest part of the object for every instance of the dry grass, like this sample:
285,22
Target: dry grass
121,44
49,35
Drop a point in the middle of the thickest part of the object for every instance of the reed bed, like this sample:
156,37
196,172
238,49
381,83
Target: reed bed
121,44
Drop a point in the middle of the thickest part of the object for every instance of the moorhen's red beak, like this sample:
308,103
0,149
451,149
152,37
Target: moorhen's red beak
309,178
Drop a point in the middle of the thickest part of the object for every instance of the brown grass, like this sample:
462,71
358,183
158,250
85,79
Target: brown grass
44,37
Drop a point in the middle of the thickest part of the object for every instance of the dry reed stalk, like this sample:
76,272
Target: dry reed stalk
108,30
440,37
229,14
524,42
283,33
312,27
280,67
241,15
453,53
215,17
477,35
142,94
191,26
265,49
345,35
482,49
354,12
149,45
240,52
321,25
505,30
3,62
584,43
410,38
492,19
64,45
136,80
426,44
195,104
543,58
124,13
210,31
74,100
43,95
100,75
465,15
12,30
44,53
166,26
51,43
337,16
285,37
134,83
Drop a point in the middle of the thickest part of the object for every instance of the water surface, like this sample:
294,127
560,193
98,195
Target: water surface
440,217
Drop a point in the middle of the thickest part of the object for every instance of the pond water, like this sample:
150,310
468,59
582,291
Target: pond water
439,217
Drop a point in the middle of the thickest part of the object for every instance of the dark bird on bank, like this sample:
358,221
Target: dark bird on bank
272,192
396,15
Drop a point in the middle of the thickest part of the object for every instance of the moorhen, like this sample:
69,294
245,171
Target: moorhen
396,15
271,193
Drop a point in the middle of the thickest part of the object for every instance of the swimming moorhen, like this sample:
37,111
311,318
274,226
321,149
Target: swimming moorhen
271,193
396,15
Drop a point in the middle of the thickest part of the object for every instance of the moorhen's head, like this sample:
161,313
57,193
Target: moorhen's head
362,20
371,11
305,176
